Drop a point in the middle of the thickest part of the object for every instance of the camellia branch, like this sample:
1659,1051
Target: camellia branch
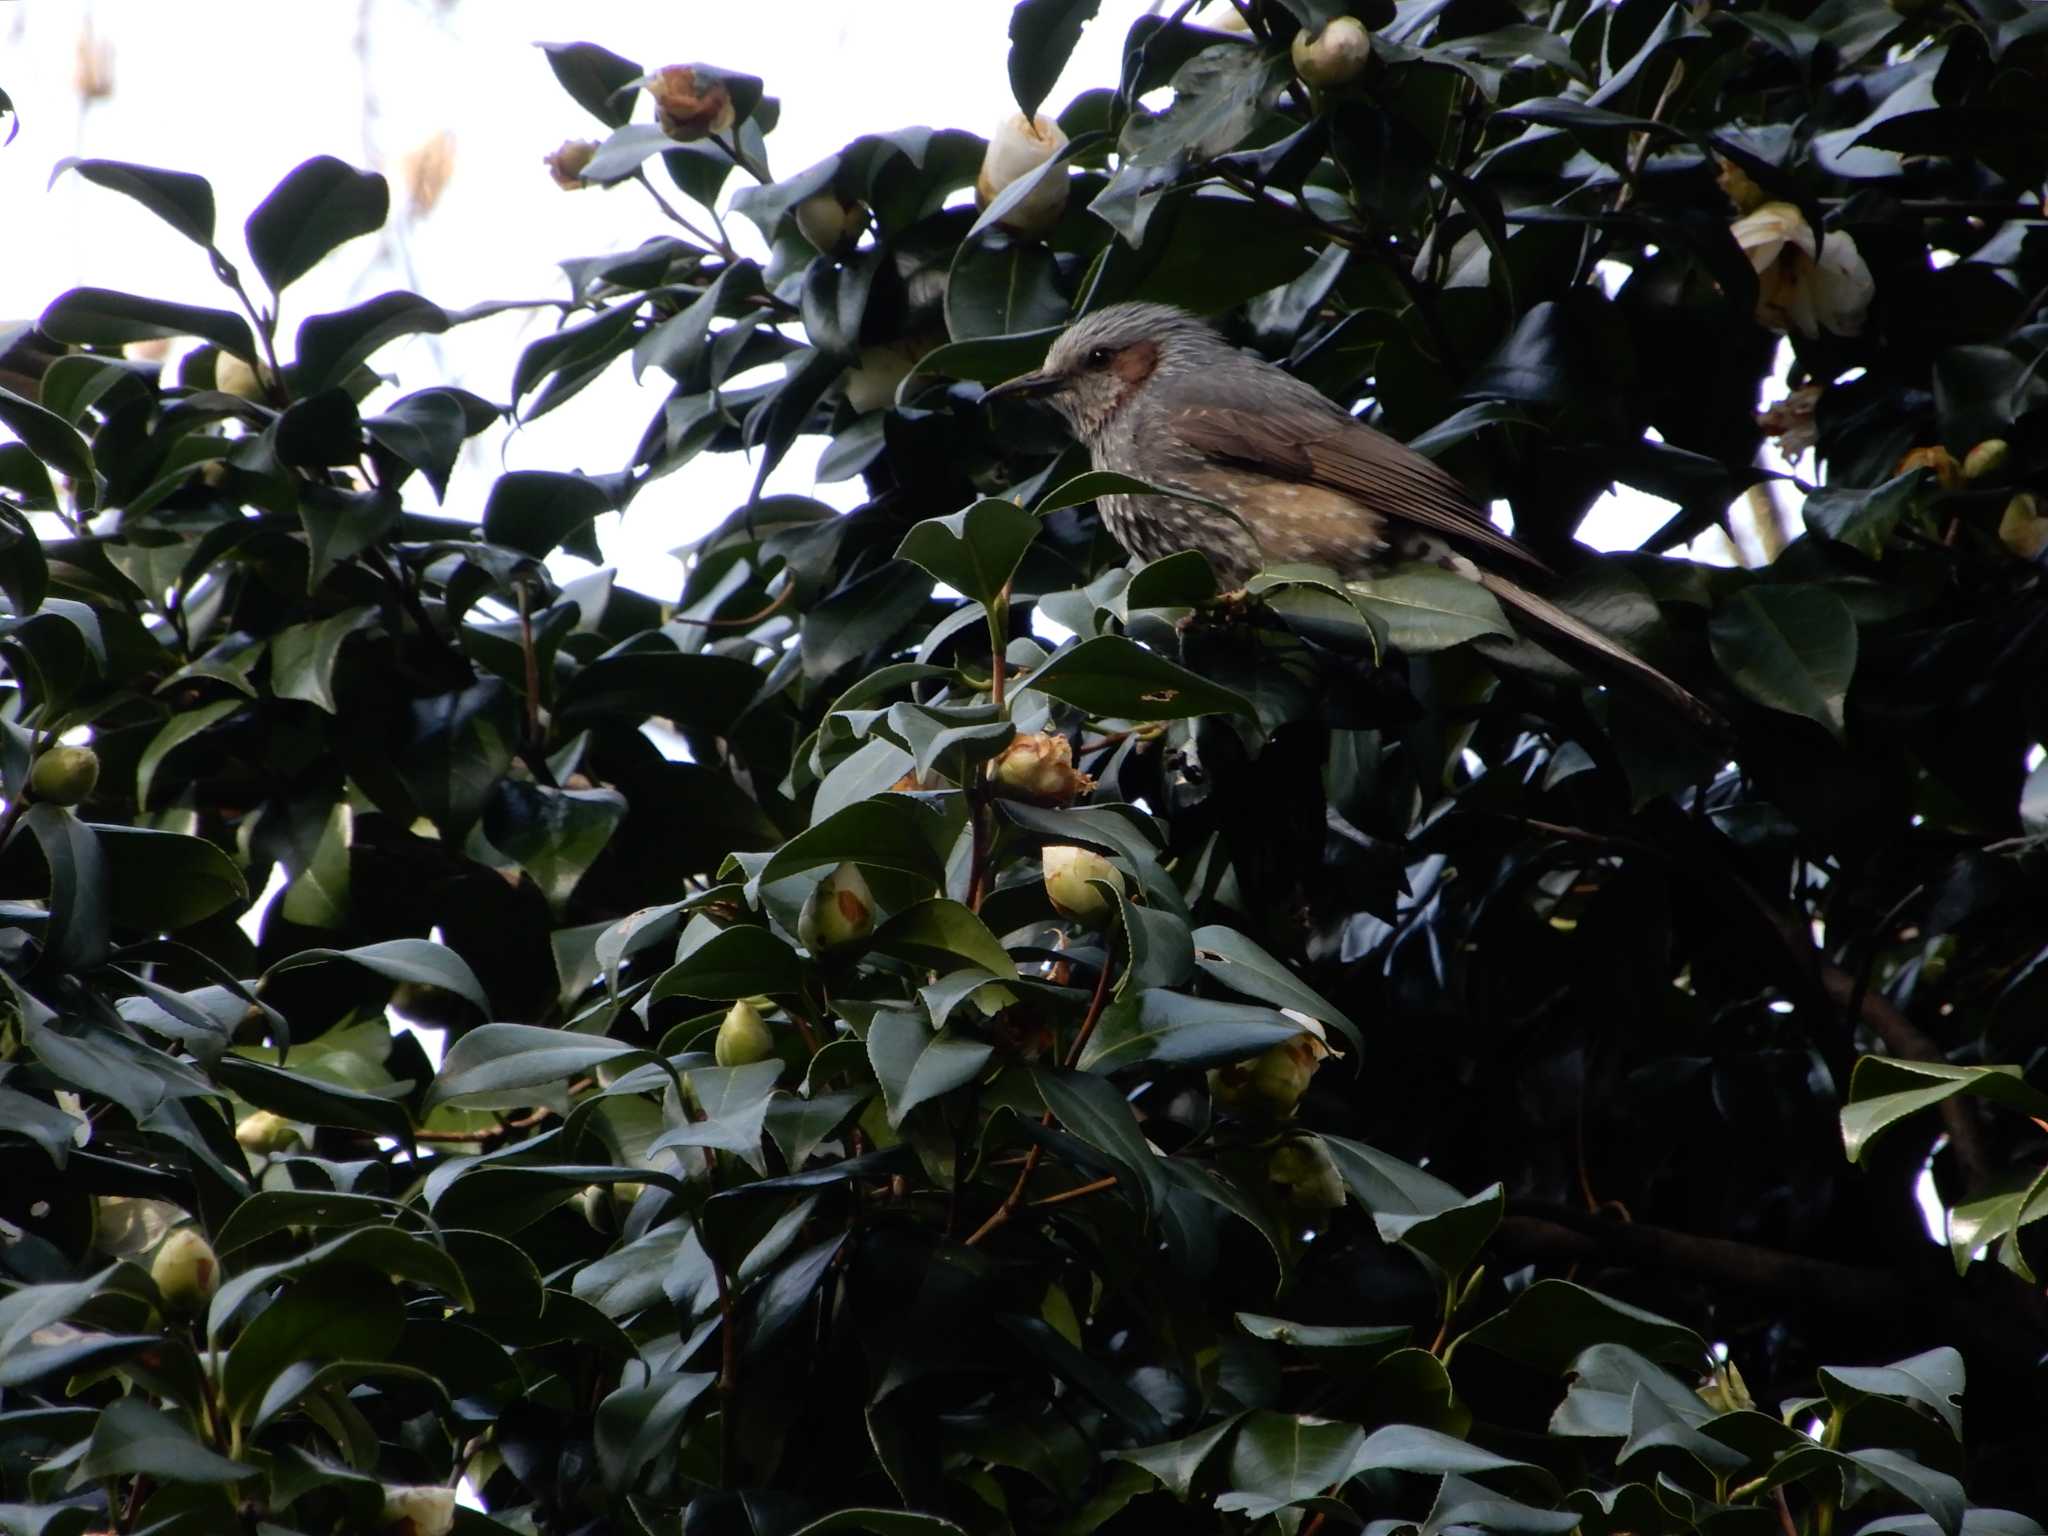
1032,1158
1562,1235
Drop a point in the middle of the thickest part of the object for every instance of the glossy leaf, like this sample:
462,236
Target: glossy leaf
321,204
1112,678
1789,648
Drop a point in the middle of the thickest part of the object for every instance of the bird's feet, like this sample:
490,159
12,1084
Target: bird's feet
1232,607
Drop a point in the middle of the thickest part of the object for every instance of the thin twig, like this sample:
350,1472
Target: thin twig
753,618
674,215
1092,1188
728,1382
1015,1197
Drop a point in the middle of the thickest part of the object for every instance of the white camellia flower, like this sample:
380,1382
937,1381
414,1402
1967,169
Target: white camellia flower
1802,284
420,1511
1016,149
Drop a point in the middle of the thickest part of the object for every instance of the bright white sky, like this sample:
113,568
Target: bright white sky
243,90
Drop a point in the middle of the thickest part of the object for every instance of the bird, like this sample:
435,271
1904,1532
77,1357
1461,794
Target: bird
1157,394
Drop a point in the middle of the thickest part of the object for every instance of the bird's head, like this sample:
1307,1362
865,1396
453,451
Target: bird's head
1106,359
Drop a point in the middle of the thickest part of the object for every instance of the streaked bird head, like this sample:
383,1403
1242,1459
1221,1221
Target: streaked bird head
1105,359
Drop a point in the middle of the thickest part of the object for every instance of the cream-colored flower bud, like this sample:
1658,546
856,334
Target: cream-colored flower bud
1986,459
871,383
266,1132
427,1510
64,775
236,376
829,224
1041,767
2023,529
1336,55
1016,149
1067,873
1306,1173
567,162
1269,1086
689,105
1725,1391
743,1037
840,911
186,1271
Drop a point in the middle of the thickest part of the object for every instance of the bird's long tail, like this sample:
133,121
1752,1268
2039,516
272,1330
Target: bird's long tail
1547,615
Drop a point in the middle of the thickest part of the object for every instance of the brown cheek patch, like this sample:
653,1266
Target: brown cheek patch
1134,364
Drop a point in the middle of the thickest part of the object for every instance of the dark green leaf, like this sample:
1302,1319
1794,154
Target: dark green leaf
741,961
414,960
100,317
1113,678
1174,1030
941,933
180,199
555,835
1789,648
1042,38
50,438
914,1064
1418,1209
535,511
332,346
319,205
134,1439
303,657
599,80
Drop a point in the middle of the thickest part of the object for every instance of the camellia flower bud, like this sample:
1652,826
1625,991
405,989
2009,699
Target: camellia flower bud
2023,529
1041,767
236,376
266,1132
428,1510
1017,148
1947,473
1067,873
1802,285
871,382
1987,458
186,1270
828,223
840,911
64,775
1725,1391
566,163
688,105
1336,55
1269,1086
743,1037
1307,1173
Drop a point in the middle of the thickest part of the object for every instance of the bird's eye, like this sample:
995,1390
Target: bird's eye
1098,357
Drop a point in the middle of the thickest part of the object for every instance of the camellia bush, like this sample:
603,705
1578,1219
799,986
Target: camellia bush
945,1032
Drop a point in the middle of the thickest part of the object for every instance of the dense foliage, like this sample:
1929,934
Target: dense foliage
801,1158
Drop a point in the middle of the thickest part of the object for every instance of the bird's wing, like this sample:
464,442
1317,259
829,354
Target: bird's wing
1329,448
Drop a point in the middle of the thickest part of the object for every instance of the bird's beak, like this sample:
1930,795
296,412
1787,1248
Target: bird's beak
1026,386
